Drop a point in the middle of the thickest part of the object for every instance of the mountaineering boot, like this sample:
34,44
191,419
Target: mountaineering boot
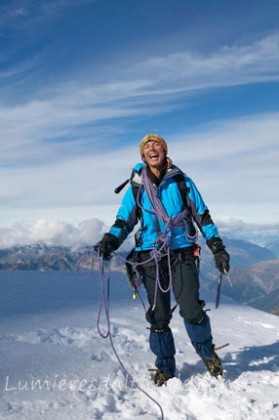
201,338
214,366
160,377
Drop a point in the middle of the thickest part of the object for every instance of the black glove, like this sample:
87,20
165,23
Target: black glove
222,258
107,245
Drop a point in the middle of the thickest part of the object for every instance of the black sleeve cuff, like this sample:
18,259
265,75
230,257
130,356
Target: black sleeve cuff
216,245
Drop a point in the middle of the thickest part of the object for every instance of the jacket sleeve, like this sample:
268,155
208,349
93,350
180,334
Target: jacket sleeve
126,218
200,212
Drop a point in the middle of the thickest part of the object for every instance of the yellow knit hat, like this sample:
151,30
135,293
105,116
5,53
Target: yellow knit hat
154,137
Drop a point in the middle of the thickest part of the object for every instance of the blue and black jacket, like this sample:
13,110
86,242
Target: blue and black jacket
130,213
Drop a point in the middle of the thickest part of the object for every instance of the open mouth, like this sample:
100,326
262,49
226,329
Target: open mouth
153,156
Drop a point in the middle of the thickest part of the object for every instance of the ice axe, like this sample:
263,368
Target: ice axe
219,286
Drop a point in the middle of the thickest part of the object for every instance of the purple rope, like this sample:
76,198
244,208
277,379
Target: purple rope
105,303
170,223
157,204
160,250
89,252
161,247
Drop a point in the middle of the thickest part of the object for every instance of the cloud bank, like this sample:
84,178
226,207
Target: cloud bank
89,232
52,232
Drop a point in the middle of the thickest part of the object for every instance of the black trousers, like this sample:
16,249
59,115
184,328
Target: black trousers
185,286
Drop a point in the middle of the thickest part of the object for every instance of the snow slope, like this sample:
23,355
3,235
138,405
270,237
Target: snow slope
54,364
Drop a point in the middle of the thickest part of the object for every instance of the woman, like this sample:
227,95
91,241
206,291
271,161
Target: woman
165,252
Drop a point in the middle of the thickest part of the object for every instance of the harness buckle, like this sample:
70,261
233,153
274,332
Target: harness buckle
197,250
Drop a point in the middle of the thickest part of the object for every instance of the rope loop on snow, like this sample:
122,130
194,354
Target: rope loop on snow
104,303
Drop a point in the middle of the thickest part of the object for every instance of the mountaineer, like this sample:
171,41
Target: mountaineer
168,206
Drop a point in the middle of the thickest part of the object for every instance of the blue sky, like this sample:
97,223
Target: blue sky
81,81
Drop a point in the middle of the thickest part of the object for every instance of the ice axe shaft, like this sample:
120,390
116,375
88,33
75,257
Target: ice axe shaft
218,291
219,286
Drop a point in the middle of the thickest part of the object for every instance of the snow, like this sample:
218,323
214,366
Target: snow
55,365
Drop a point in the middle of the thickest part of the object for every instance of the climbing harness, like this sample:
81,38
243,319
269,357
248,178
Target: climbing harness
161,246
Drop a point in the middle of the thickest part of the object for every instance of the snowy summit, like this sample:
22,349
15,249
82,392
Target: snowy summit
55,365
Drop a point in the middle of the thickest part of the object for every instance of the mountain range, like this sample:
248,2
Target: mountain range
254,270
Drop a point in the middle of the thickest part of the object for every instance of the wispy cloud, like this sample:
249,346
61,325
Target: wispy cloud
40,126
228,66
59,147
72,110
28,12
245,137
17,72
261,234
234,163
